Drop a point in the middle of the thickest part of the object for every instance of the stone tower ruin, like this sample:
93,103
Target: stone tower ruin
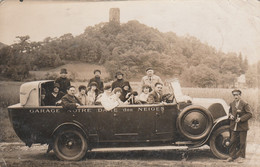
114,15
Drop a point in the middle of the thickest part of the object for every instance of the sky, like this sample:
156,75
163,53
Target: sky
230,26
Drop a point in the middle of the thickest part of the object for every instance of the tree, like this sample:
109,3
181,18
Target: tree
230,63
201,76
251,77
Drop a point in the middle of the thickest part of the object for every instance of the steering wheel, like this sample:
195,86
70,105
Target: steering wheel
168,98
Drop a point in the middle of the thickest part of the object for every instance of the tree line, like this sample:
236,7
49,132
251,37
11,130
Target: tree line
130,47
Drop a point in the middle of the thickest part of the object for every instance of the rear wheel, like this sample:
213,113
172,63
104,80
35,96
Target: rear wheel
220,142
70,144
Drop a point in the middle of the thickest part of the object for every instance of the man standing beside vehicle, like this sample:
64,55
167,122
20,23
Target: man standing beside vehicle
63,81
150,79
239,114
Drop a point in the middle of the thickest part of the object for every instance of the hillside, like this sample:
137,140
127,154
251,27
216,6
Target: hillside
2,45
227,25
131,48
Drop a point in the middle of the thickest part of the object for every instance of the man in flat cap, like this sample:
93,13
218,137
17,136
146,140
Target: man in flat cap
120,82
63,81
150,79
97,79
239,114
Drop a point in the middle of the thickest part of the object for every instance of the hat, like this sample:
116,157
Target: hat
236,91
125,83
149,68
118,73
117,89
97,70
82,87
63,71
56,85
93,84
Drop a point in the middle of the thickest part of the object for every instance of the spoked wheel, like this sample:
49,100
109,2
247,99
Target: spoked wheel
70,145
220,142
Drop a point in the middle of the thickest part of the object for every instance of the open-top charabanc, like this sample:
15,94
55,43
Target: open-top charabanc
193,122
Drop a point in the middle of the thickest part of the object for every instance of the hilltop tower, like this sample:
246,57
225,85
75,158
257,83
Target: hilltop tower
114,15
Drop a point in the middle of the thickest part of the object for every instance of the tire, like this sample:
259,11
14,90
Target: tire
220,142
194,122
70,144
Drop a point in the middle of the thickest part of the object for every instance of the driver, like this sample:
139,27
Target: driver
156,95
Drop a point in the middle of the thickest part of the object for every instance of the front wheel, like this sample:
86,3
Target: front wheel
220,142
70,145
195,122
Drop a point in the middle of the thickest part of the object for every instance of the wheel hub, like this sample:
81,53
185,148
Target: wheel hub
69,144
195,124
226,143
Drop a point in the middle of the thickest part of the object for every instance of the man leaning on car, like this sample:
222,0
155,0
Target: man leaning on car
239,114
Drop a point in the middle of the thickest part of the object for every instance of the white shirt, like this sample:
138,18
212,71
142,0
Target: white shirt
143,96
109,102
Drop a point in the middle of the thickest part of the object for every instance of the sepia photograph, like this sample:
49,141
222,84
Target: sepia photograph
131,83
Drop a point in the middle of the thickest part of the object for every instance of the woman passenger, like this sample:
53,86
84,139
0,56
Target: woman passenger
82,94
125,92
146,89
92,93
54,98
115,97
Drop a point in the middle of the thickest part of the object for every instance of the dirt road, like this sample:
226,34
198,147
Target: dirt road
16,154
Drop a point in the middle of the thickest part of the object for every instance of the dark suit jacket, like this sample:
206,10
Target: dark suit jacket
51,100
99,82
244,115
155,96
69,102
64,84
121,83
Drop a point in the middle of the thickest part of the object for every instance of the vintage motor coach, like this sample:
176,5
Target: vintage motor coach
192,122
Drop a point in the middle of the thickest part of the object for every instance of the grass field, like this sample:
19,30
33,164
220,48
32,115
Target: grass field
9,94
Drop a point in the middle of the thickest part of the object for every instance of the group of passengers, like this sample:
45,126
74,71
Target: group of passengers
109,96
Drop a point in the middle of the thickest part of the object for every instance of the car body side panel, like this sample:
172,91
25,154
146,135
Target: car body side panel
131,123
